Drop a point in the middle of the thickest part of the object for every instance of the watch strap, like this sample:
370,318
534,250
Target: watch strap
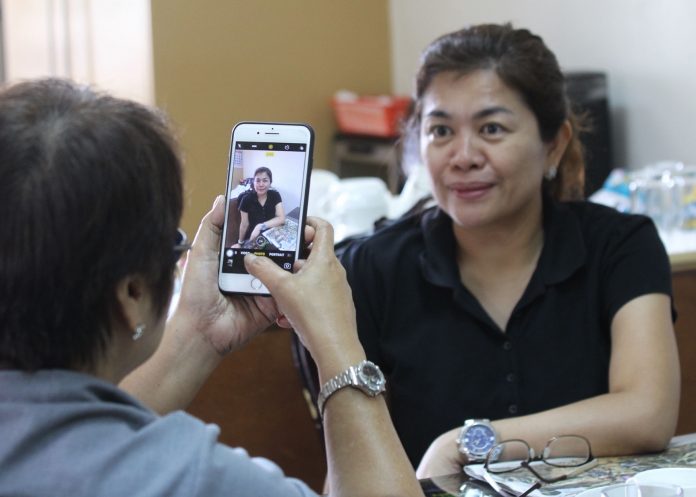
346,378
350,378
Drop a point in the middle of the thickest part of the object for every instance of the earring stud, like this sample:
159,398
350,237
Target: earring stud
551,173
138,332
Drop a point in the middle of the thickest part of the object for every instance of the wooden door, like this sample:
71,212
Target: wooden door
255,397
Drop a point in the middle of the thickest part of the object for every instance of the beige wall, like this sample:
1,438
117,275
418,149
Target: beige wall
220,62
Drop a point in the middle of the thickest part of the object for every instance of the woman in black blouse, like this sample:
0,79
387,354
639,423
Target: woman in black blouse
261,210
513,303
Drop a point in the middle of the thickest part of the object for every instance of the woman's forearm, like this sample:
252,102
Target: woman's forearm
356,424
243,227
274,222
171,378
615,423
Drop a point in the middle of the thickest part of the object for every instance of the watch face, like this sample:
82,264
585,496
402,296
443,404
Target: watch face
478,440
371,376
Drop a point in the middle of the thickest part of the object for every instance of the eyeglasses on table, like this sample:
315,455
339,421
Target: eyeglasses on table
572,454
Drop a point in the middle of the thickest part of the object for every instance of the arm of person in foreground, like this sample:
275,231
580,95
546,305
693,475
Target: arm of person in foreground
638,414
364,454
205,326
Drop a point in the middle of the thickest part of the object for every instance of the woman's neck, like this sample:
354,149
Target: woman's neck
497,263
506,245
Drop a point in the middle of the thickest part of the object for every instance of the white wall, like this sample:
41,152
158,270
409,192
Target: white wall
106,43
287,172
647,48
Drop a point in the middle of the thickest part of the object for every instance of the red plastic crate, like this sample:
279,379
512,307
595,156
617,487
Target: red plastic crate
375,116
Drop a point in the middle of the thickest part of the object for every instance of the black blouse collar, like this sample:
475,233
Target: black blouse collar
563,252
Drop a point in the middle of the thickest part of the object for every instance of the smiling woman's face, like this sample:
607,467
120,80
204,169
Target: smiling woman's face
481,144
261,183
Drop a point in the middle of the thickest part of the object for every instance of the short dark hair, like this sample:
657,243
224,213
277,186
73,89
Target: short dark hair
524,63
90,192
264,169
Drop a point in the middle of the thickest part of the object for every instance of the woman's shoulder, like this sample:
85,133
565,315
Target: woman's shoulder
598,217
245,197
601,225
391,240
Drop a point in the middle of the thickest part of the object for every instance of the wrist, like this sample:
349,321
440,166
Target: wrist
449,443
476,438
365,376
332,362
190,341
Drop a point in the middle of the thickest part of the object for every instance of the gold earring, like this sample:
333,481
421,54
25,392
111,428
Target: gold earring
138,332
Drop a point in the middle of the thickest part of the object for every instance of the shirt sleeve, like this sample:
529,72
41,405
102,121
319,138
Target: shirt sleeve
636,264
200,466
367,296
244,202
230,471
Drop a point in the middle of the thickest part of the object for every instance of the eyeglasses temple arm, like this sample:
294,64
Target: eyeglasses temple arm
531,489
585,467
506,491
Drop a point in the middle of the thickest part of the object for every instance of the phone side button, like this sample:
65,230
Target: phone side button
256,284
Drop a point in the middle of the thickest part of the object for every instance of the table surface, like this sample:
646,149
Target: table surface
681,247
680,453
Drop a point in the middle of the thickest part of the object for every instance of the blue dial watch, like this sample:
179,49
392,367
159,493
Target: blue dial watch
476,439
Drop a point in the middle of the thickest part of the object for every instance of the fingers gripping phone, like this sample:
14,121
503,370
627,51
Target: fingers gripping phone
266,200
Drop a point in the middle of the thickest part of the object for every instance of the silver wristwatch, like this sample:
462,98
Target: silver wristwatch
476,438
366,377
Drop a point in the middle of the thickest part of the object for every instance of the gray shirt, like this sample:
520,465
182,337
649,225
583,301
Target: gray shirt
68,434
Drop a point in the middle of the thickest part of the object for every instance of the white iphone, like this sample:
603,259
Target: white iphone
266,200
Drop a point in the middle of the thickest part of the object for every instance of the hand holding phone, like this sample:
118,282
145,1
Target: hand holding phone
266,200
316,301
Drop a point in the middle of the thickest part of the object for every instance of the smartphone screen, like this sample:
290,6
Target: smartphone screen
267,190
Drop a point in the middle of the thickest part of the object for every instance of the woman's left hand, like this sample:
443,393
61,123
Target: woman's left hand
227,321
442,457
255,234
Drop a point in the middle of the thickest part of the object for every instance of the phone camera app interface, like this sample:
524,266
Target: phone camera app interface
263,212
